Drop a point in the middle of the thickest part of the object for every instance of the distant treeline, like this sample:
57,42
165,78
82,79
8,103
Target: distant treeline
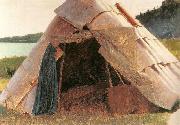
30,38
164,22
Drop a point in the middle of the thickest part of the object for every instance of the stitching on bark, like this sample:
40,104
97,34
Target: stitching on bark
163,64
97,16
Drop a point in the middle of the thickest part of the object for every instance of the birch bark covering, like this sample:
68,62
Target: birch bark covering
131,49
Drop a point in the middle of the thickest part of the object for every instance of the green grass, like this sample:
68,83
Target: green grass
173,46
60,119
3,83
8,65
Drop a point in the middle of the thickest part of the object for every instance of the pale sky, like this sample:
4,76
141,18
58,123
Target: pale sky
20,17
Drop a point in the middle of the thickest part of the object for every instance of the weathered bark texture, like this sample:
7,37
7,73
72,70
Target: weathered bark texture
124,43
127,99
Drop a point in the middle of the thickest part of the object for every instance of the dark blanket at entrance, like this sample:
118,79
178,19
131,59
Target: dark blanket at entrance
47,90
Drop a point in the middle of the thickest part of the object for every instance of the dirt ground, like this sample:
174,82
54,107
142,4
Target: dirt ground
12,118
96,100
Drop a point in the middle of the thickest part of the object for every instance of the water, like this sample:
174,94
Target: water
15,49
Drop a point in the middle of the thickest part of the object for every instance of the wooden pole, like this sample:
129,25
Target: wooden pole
126,15
61,70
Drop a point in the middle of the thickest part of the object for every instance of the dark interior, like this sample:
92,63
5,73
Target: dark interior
87,74
83,65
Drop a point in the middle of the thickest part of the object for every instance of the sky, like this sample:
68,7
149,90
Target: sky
20,17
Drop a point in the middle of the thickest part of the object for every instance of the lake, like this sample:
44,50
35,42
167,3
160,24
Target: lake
15,49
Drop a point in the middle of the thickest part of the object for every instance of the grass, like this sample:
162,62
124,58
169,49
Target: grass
7,68
173,46
3,83
57,119
9,65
